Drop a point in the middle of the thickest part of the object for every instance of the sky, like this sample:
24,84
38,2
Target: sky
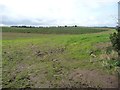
59,12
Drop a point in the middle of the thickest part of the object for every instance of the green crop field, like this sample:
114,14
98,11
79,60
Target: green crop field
54,30
58,57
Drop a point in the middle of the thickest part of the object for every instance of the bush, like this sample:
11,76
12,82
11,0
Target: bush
109,64
115,40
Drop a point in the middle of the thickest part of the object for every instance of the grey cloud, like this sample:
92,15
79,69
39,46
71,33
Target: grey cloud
11,18
8,20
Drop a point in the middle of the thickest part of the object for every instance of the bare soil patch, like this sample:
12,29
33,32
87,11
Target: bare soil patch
94,78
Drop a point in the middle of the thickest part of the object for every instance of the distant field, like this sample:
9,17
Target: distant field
58,57
55,30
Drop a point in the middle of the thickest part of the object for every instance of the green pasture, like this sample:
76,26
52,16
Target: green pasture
55,30
43,57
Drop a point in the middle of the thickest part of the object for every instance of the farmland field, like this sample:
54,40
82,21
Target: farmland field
58,57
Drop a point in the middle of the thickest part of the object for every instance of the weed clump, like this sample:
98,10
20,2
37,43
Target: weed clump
115,40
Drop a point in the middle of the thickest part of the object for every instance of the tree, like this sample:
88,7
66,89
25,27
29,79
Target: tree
75,25
65,25
115,40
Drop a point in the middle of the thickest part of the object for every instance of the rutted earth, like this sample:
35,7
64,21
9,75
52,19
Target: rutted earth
84,78
75,78
79,79
94,78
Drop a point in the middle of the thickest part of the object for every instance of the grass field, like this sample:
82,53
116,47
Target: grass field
58,57
54,30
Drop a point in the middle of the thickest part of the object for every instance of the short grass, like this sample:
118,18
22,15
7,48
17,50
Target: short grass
44,60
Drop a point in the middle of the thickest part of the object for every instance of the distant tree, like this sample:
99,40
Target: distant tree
75,25
59,26
23,26
65,25
30,26
115,40
13,26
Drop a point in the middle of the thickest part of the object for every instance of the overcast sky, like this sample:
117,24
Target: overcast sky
59,12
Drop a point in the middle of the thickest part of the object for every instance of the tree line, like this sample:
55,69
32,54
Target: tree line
41,26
